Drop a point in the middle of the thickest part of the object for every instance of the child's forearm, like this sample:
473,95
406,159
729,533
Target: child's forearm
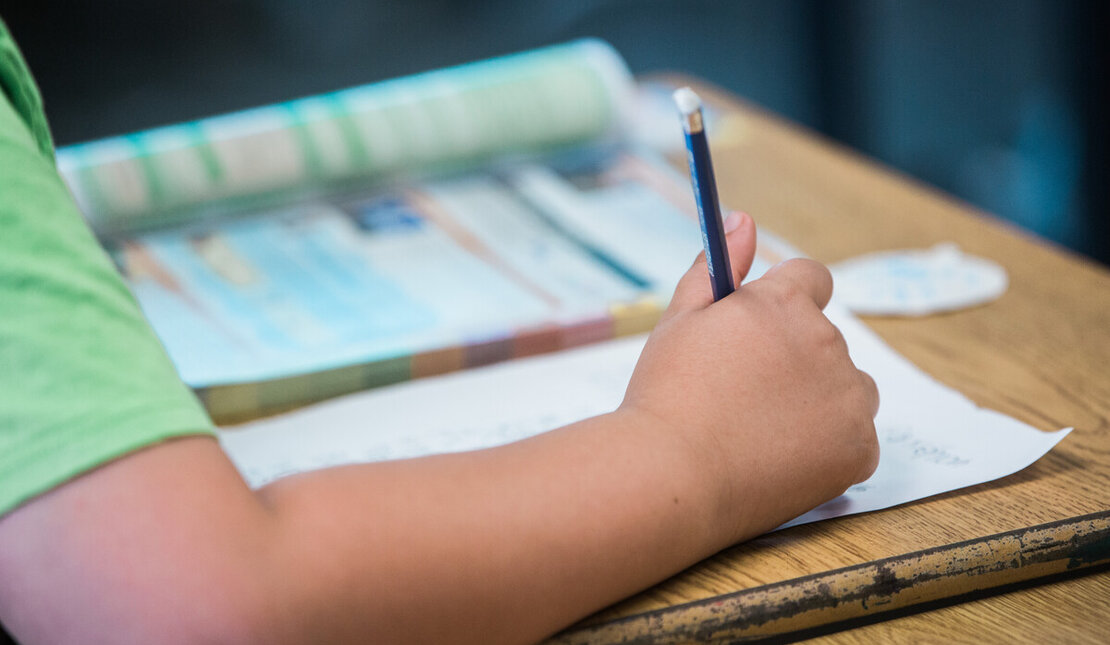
502,545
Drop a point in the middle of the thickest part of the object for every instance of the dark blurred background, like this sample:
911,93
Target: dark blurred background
998,102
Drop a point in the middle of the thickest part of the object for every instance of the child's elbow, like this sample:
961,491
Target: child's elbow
232,598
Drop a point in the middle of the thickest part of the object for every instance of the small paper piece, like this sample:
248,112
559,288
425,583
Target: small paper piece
932,438
917,282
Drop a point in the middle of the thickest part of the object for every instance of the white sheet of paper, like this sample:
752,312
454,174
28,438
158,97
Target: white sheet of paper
933,439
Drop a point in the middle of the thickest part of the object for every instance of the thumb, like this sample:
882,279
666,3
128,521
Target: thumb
694,290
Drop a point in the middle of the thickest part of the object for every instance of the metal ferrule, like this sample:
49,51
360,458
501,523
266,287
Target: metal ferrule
692,122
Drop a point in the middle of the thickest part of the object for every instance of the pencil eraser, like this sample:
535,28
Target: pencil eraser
687,101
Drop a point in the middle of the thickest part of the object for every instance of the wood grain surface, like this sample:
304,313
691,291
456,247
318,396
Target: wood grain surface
1041,353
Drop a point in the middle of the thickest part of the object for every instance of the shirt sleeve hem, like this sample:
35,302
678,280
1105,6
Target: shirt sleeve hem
45,470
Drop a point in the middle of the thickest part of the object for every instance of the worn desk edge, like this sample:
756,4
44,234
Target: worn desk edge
868,588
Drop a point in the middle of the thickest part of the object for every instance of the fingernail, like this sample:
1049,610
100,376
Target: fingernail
732,222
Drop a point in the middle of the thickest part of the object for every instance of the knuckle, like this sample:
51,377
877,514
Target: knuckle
819,269
863,390
870,392
798,264
826,334
865,456
815,269
871,454
784,293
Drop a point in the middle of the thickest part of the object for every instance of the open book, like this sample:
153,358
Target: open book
435,223
413,227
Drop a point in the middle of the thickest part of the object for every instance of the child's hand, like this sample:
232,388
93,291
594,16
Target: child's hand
762,386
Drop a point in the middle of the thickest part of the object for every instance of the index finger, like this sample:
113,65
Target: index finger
808,275
693,290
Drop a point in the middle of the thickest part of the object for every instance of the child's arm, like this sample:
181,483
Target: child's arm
741,414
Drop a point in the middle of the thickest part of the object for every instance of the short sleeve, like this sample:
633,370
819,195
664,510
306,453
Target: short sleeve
83,378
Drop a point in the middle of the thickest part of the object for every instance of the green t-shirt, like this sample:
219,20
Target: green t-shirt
83,379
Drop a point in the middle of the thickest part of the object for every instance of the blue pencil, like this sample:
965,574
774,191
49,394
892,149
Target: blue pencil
705,193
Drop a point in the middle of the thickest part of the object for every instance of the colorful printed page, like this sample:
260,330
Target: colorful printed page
358,278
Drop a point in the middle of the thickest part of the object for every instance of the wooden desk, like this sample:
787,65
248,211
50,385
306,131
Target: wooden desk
1041,354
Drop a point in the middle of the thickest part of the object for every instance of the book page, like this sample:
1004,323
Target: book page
362,277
